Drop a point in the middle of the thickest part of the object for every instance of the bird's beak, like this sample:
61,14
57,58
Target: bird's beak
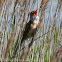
35,13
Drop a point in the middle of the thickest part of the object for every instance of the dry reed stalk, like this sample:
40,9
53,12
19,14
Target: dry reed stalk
52,35
57,55
9,45
6,22
60,4
2,8
53,32
58,51
45,38
38,27
1,4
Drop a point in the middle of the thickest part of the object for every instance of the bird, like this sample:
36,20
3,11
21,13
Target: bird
30,28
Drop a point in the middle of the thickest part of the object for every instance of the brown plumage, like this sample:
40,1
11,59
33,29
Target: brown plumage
29,31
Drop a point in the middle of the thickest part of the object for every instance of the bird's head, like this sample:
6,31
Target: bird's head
34,17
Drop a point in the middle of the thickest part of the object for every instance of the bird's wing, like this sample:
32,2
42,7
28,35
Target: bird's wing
26,31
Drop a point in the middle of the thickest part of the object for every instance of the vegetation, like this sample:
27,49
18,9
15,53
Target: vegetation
45,46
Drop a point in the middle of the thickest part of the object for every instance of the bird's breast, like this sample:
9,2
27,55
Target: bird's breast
32,30
33,26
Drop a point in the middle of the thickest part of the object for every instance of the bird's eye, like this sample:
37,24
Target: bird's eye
32,12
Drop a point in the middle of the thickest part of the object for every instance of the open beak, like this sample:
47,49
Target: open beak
35,13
